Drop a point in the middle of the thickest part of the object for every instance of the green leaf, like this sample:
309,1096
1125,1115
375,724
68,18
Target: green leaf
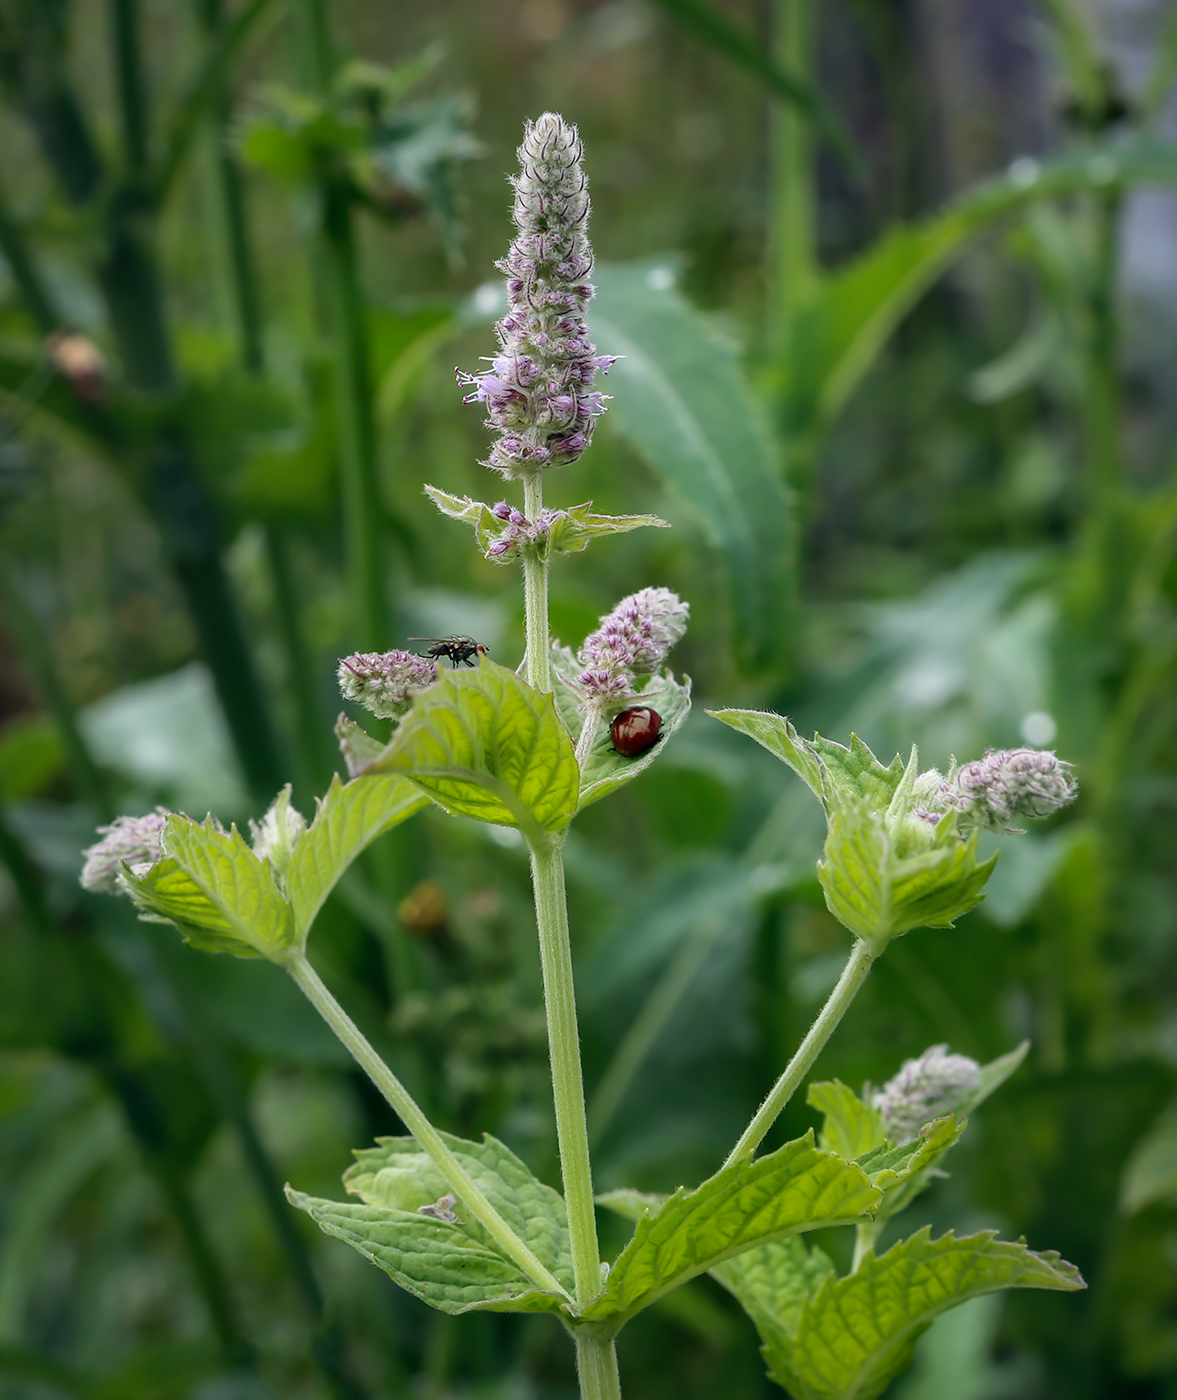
773,1283
837,776
994,1075
1150,1174
484,744
838,334
851,1128
217,893
851,1336
357,746
452,1265
631,1204
878,893
901,1173
349,818
680,397
795,1188
604,770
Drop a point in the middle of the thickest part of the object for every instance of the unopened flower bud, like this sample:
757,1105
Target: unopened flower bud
1006,784
932,1086
135,840
385,681
276,835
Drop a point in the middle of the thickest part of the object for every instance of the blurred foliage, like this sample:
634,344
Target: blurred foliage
243,245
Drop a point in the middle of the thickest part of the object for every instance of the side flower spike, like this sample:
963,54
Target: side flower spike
135,840
1006,784
385,681
539,389
632,642
932,1086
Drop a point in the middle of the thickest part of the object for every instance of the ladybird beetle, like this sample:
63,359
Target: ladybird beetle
456,650
636,730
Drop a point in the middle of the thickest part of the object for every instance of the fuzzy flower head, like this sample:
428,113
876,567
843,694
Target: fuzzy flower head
278,833
933,1086
135,840
1006,784
632,642
385,681
539,389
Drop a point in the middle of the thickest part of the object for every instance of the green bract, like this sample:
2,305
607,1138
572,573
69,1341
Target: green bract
828,1338
452,1265
889,864
568,531
796,1188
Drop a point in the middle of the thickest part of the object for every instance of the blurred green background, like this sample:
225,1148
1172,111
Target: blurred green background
896,285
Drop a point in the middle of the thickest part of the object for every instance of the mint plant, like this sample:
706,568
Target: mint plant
467,1225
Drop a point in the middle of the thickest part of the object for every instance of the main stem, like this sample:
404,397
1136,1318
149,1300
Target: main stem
430,1140
596,1367
535,592
551,913
853,976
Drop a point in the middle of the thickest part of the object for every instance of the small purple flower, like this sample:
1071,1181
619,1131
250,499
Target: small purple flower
385,682
538,390
135,840
631,642
1009,783
932,1086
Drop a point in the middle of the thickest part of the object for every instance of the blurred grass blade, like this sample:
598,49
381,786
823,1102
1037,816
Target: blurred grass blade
749,52
682,400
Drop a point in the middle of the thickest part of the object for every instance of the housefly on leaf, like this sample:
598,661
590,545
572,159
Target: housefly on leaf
457,650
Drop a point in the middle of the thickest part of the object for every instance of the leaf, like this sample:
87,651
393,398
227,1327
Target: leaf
484,744
631,1204
773,1282
795,1188
356,745
851,1127
838,335
349,818
837,776
901,1173
217,893
879,894
680,397
994,1075
850,1338
1150,1173
453,1266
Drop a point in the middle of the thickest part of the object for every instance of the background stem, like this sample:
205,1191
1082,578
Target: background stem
853,975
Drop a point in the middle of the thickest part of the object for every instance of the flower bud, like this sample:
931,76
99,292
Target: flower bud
932,1086
276,835
135,840
993,791
632,642
385,682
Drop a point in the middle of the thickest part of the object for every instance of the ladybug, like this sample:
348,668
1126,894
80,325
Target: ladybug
456,650
636,730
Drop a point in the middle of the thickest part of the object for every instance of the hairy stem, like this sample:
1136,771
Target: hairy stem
430,1140
535,592
853,976
596,1367
588,737
551,913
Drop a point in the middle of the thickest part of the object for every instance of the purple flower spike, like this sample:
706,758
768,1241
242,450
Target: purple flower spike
538,390
135,840
935,1085
1009,783
385,681
631,642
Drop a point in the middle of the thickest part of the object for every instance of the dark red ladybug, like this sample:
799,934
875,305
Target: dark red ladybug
636,730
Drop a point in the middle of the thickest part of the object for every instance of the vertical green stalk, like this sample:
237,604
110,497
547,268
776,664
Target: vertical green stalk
355,416
430,1140
535,593
596,1366
852,978
792,264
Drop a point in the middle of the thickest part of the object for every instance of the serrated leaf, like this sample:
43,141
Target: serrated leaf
349,818
795,1188
680,397
837,776
221,897
773,1282
453,1266
850,1340
604,770
574,526
851,1128
879,894
901,1173
484,744
356,745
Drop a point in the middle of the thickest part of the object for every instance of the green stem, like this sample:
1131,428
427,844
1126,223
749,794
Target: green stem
551,914
853,975
535,592
792,266
588,737
596,1366
429,1139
